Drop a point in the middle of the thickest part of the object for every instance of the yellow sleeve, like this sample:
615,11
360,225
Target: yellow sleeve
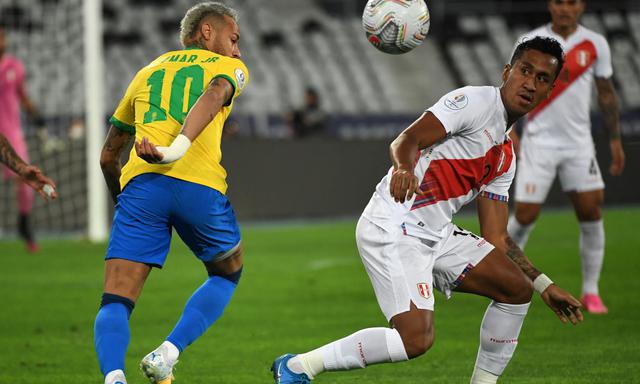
124,116
235,72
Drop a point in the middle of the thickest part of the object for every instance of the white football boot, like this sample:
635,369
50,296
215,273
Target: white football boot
115,377
157,366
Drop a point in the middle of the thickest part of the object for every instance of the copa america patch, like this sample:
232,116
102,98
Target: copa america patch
240,78
423,289
456,102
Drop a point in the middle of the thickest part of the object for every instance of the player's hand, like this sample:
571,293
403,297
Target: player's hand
617,157
566,307
403,185
147,151
33,177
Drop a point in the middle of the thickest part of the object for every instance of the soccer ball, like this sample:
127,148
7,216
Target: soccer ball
396,26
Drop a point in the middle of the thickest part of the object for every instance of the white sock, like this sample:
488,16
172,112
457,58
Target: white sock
499,337
365,347
592,254
113,376
480,376
519,232
172,351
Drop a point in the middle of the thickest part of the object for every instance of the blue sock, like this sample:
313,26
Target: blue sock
203,308
111,332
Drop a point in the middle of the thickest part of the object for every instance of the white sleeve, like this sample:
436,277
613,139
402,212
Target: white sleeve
603,68
498,188
457,110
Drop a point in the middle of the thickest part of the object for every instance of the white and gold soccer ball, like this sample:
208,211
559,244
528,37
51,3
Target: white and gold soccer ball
396,26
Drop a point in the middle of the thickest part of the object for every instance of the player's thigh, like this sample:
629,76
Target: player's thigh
581,178
399,267
460,252
204,219
141,231
535,171
498,278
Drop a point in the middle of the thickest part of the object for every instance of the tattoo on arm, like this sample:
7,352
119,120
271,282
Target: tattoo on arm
609,107
8,155
515,253
226,87
110,159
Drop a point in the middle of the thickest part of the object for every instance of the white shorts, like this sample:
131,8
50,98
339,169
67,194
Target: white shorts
405,269
537,166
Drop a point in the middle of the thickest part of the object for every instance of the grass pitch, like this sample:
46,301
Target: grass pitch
304,286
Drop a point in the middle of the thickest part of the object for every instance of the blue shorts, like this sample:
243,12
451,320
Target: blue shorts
152,204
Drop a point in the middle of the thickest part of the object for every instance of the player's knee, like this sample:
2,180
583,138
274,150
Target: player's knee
589,214
417,343
230,263
526,215
233,277
520,291
109,298
239,252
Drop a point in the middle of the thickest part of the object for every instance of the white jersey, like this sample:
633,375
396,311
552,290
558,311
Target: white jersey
475,157
563,120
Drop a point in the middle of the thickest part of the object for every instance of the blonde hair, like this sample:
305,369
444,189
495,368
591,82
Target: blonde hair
194,16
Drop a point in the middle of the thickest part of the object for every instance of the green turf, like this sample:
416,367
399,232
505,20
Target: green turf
304,286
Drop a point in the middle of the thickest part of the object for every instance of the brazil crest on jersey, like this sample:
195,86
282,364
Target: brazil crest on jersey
157,102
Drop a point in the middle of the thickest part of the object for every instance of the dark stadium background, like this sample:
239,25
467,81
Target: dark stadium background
272,176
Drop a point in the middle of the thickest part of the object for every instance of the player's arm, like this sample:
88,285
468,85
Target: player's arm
610,113
422,133
9,157
30,174
114,144
493,216
218,94
28,105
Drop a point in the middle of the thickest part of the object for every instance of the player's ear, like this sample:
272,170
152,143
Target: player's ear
505,72
207,30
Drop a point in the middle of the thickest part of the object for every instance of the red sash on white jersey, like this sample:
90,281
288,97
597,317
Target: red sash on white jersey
577,61
450,178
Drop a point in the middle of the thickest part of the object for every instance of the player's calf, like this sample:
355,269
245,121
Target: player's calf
499,334
111,336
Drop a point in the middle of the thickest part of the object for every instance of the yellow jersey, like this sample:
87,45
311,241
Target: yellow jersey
157,102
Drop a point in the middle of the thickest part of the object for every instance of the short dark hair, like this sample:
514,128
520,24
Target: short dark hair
546,45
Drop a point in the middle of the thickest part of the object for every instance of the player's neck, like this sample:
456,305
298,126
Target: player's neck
198,43
511,118
564,31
